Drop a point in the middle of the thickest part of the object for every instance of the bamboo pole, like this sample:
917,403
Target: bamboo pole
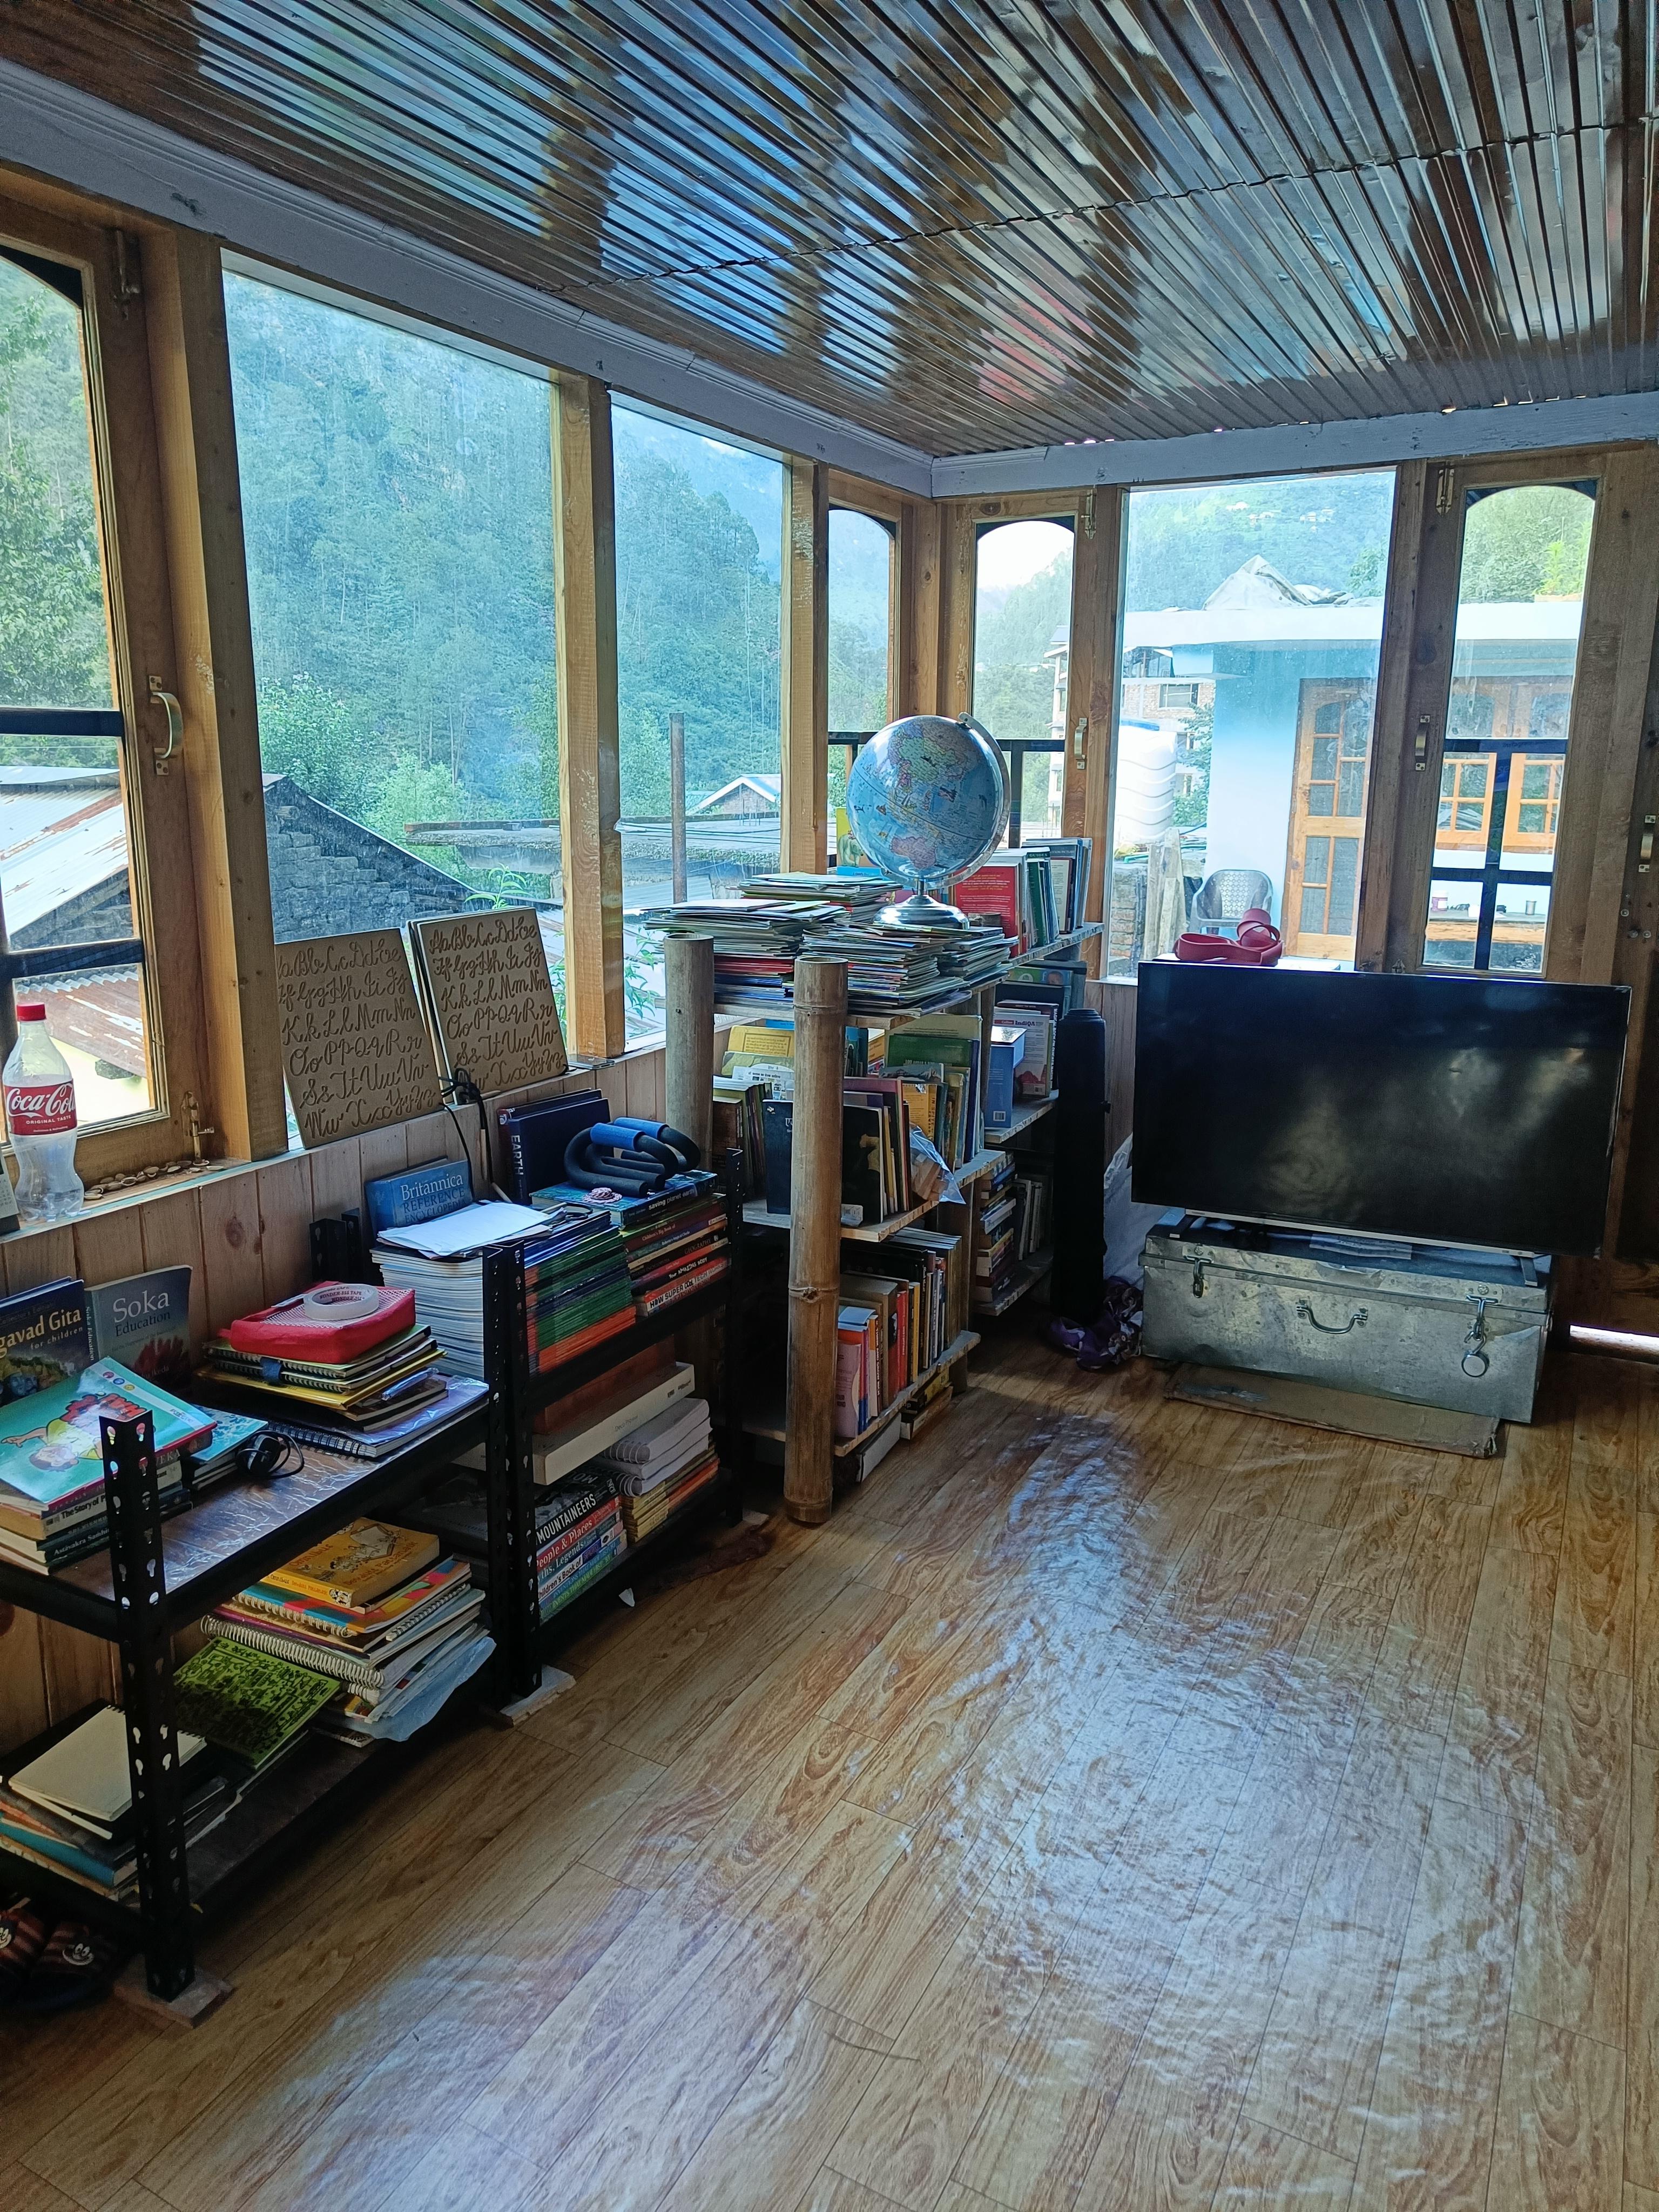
689,1044
809,1465
677,804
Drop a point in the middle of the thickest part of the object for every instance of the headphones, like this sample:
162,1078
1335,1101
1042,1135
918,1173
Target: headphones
268,1457
628,1156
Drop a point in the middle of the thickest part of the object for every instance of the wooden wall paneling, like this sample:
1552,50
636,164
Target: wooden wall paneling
1609,704
1633,1201
109,1246
922,590
804,690
336,1177
283,1194
23,1708
590,781
201,506
172,1229
232,1267
1114,1002
958,566
865,496
1390,762
38,1256
384,1151
639,1084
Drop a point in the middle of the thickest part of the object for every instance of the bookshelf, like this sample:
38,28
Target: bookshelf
160,1576
1024,1117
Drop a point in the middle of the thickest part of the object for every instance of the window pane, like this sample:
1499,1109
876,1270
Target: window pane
1267,598
1520,599
1454,910
699,546
1021,629
861,553
64,844
397,495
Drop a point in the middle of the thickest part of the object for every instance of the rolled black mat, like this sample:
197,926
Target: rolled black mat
1079,1166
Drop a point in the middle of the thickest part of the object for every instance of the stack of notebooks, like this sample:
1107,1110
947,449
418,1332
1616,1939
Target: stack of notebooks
673,1241
861,893
895,970
576,1280
52,1508
659,1467
66,1802
756,942
374,1611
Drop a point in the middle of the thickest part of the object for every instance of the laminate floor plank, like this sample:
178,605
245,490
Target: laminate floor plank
1641,2037
1120,1803
1571,1965
1560,2128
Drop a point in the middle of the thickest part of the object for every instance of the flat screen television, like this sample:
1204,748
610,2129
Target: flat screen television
1445,1109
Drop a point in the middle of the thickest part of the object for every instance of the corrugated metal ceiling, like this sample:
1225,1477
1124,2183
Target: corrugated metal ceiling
986,224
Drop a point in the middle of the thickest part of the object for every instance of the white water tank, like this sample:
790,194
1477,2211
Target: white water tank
1144,805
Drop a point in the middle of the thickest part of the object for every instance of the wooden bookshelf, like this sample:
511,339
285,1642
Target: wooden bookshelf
769,1422
1024,1117
1027,1275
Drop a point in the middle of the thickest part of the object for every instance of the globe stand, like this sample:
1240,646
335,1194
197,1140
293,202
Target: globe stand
919,911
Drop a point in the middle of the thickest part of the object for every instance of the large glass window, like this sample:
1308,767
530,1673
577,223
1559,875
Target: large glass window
397,495
860,591
699,552
1520,604
64,847
1022,640
1252,619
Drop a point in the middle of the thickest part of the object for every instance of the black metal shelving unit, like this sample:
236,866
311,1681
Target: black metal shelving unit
160,1574
517,1394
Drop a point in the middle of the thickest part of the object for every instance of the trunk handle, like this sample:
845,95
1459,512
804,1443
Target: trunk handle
1356,1320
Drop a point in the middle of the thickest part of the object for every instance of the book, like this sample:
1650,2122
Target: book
85,1775
45,1337
373,1671
460,1395
361,1624
50,1447
357,1564
614,1407
488,994
421,1193
144,1321
247,1702
535,1139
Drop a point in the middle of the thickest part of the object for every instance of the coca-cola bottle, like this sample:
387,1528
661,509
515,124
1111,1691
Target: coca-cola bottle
41,1117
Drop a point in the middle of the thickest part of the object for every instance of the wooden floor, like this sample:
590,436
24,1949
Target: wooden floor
1120,1804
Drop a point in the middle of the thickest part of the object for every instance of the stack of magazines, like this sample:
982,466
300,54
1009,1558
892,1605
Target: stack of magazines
376,1611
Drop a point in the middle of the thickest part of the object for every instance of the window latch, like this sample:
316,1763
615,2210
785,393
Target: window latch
1644,850
1080,730
175,725
1420,745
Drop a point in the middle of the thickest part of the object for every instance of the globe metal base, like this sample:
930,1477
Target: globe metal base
919,911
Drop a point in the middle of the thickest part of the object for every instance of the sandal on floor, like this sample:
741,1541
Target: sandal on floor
77,1964
23,1931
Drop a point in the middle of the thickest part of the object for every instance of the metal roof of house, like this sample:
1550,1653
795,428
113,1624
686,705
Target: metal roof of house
63,832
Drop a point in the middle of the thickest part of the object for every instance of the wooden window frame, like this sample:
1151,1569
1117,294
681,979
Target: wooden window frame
123,325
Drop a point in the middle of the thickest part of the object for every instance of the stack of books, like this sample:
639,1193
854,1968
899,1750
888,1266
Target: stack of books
373,1609
660,1465
385,1373
756,942
66,1800
673,1241
579,1537
253,1708
996,1241
576,1282
52,1508
861,893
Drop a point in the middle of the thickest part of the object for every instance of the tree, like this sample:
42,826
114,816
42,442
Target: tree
1329,531
54,648
1528,542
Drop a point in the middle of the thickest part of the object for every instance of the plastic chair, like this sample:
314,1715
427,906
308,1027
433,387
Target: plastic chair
1229,893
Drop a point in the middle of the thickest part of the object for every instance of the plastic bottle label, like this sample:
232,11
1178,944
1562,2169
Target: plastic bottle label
39,1110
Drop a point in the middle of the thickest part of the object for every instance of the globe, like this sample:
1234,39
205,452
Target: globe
927,797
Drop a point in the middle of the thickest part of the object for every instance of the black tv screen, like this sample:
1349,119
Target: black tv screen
1449,1109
